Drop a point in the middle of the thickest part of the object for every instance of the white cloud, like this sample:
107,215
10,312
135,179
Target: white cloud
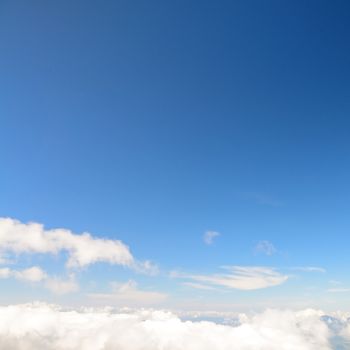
241,277
32,274
209,237
198,286
83,249
128,294
41,326
36,274
60,286
265,247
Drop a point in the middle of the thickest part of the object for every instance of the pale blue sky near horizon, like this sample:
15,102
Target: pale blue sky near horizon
155,122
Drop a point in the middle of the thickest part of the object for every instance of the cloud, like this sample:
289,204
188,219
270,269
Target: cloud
310,269
61,286
32,274
49,327
265,247
240,277
209,237
35,274
128,294
198,286
83,249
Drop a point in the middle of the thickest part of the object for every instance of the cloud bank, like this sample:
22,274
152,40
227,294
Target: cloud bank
42,326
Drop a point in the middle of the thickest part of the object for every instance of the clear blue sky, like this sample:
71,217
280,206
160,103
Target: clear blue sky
154,122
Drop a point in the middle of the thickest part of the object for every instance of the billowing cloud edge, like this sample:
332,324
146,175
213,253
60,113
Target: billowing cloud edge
51,327
83,249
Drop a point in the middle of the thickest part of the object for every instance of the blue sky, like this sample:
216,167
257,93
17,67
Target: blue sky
156,122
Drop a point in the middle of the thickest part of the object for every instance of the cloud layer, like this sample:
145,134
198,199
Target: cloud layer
42,326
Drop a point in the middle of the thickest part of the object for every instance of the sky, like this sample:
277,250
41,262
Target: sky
176,154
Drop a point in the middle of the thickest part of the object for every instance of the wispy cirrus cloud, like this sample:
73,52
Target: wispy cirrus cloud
310,269
209,237
60,286
128,293
265,247
239,277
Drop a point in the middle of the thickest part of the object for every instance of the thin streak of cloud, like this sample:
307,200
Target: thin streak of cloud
310,269
129,294
240,277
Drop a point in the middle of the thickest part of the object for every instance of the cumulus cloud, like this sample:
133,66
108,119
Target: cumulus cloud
83,249
128,294
240,277
265,247
42,326
209,237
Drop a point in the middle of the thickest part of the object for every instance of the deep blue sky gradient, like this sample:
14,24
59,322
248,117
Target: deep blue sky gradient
154,121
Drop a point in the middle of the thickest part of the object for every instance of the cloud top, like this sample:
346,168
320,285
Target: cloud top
42,326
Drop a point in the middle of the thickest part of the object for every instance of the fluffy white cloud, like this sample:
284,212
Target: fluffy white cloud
310,269
128,294
209,237
41,326
240,277
83,249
